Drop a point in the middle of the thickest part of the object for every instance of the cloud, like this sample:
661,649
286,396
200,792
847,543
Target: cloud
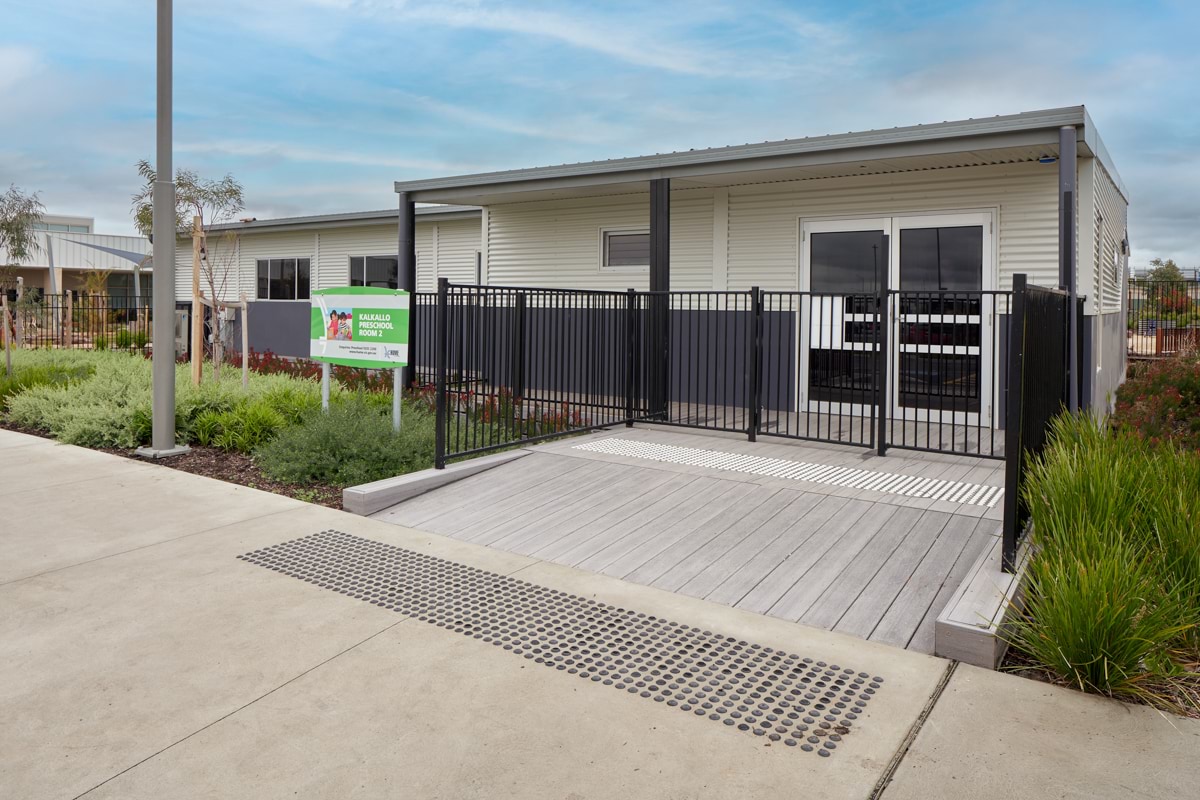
17,65
299,153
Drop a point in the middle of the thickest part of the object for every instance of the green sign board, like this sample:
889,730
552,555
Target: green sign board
360,326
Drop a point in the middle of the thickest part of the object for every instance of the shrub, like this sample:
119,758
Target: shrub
123,339
247,427
1113,600
353,443
52,373
100,342
140,339
112,407
1160,401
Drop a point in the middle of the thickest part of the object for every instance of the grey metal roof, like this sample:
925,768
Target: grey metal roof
1029,128
346,219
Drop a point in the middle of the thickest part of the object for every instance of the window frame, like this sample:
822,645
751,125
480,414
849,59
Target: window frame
606,232
295,298
364,256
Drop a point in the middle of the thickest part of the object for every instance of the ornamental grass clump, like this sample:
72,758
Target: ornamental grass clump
1113,583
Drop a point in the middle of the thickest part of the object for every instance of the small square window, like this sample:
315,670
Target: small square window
283,278
625,249
381,272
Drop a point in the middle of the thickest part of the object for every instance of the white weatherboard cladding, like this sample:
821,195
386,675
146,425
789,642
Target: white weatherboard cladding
339,244
225,259
457,243
556,242
424,235
330,250
1114,217
763,230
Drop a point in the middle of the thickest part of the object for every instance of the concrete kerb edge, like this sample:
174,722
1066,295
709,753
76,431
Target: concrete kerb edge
369,498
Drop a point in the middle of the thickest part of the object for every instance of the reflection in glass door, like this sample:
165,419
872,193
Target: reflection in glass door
940,319
845,260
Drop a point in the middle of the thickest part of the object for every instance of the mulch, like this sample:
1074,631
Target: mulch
231,467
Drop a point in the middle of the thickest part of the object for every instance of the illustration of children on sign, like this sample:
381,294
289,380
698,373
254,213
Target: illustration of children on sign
340,324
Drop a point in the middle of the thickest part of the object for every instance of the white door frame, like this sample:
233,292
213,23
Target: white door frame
891,226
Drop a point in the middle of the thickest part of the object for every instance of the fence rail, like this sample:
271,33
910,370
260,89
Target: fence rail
1164,317
96,322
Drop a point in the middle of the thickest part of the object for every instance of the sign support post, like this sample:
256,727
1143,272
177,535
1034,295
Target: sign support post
396,385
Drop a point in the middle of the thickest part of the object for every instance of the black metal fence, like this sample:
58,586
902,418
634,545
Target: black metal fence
1038,391
95,322
1164,317
516,364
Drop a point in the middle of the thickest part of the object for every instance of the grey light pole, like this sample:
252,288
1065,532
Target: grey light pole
162,442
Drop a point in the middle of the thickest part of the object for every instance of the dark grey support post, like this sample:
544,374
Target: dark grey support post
659,363
407,275
1014,453
1067,269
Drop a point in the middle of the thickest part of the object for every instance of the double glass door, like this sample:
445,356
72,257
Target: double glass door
939,318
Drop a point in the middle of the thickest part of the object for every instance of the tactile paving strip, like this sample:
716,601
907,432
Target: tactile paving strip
742,685
975,494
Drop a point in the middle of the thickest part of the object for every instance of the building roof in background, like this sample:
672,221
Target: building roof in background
345,219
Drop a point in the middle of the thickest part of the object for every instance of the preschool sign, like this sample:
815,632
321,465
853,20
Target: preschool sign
360,326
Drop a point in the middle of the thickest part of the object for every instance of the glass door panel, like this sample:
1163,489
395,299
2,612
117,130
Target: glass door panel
844,260
939,367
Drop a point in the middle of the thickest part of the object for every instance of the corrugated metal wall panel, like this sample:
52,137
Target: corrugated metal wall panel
1114,212
764,235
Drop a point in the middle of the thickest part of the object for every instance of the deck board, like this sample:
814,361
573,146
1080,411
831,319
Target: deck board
864,562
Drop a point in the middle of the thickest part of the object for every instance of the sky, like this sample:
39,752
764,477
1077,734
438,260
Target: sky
317,106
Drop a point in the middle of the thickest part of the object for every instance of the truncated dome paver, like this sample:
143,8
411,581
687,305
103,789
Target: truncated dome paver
742,685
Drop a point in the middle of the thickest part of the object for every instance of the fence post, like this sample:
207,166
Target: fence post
1013,412
517,356
68,333
630,354
754,364
442,417
7,334
882,320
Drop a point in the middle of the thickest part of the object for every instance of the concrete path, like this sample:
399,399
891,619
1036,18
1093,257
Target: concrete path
140,658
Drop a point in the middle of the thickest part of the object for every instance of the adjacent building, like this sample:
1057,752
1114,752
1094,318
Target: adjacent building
275,263
69,247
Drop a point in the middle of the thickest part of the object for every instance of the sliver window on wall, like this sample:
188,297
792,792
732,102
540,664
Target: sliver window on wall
283,278
379,271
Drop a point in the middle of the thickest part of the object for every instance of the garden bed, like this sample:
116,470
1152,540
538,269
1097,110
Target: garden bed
231,467
1112,603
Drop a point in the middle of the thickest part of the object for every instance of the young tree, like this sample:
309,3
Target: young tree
214,202
1165,271
18,213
